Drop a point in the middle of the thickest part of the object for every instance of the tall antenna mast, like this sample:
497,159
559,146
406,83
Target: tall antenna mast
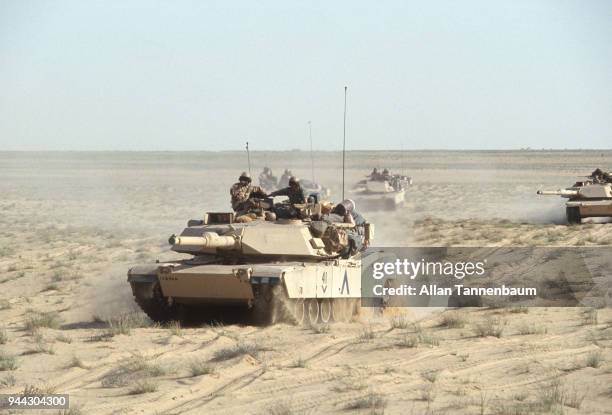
311,154
344,143
248,157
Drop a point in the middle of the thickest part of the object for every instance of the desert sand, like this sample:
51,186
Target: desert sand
74,223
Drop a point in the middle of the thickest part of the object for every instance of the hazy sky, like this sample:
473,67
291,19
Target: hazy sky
206,75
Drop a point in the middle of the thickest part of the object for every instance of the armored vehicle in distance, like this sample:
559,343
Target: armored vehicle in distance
587,199
306,270
381,191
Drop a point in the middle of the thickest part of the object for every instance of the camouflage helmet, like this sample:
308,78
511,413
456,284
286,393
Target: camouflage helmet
344,207
349,204
386,171
293,180
244,177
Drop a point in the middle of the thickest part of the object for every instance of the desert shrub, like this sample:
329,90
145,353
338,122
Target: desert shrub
590,316
594,359
431,375
73,410
239,349
64,338
175,328
198,367
489,327
135,368
143,386
7,361
8,381
44,389
518,310
373,402
41,345
452,320
366,334
280,408
77,362
429,339
408,341
551,395
36,320
400,322
299,362
531,328
124,323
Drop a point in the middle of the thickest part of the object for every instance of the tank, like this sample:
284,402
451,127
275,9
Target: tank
269,183
386,192
303,270
586,199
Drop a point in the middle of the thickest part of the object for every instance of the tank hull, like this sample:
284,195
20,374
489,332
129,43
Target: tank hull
601,208
380,201
269,292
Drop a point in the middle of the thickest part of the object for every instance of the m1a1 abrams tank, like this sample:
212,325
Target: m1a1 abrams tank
381,191
305,269
587,199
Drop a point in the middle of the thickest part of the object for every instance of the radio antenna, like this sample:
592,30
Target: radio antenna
344,143
311,154
248,157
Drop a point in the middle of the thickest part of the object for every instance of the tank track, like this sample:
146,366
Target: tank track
151,300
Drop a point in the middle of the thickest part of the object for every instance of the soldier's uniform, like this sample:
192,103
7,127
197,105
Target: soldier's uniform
284,180
347,213
267,180
241,193
295,194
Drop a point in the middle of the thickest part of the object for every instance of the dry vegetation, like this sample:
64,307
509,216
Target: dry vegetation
71,229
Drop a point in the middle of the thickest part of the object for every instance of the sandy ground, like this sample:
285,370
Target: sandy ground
73,223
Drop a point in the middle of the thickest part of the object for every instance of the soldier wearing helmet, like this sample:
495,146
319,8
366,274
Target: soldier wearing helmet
346,212
346,209
375,175
600,176
284,180
243,191
267,179
294,191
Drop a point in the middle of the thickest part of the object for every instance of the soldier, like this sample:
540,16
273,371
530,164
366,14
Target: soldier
375,175
600,176
346,210
294,191
284,180
356,238
267,180
242,193
385,174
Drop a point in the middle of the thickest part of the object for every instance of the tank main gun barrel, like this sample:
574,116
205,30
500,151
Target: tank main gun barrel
560,192
207,240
